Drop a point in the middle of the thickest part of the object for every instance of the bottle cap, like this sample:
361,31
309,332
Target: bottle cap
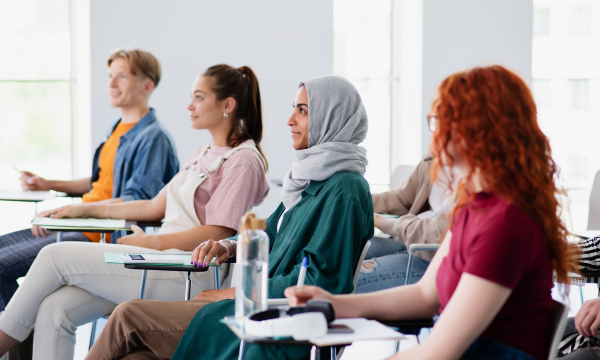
258,223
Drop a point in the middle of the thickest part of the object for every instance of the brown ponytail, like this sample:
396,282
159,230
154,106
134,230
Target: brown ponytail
242,85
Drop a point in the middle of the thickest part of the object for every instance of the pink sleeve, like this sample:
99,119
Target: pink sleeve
503,251
243,185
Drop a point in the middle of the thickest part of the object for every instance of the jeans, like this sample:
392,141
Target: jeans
385,266
484,348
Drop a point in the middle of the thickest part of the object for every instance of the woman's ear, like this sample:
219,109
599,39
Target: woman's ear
229,105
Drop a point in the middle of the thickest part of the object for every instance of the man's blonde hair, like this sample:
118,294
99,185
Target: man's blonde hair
139,62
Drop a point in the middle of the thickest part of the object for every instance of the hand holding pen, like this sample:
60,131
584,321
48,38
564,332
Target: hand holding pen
302,274
30,181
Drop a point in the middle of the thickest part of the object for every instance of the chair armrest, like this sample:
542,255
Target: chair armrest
422,247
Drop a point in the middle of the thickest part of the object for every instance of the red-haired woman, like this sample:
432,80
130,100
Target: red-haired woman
492,277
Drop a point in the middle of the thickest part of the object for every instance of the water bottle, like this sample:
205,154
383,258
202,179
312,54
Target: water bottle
252,259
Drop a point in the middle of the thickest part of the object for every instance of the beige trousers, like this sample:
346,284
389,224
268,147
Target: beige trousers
145,329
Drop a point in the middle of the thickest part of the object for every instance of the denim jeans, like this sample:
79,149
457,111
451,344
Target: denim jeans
385,266
484,348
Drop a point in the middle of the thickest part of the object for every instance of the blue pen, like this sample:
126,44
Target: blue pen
302,274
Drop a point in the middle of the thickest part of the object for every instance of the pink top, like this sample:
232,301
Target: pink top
238,185
496,241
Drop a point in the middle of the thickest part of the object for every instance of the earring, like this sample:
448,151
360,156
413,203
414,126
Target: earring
225,115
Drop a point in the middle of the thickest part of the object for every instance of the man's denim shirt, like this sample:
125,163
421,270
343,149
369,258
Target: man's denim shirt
145,162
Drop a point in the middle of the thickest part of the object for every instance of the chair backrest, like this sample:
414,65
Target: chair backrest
594,213
400,175
559,322
363,254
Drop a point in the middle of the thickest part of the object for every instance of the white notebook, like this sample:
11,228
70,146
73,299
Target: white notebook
90,223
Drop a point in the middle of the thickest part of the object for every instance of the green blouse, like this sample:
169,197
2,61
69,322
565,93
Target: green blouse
330,224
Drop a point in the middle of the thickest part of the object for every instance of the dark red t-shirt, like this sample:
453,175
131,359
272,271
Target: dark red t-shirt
498,242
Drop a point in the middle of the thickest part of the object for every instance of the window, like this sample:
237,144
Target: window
580,22
541,92
35,94
362,54
541,22
579,94
565,112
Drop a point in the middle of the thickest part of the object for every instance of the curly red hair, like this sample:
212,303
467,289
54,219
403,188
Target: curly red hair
490,116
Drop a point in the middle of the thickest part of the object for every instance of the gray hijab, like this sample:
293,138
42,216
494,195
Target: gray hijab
337,123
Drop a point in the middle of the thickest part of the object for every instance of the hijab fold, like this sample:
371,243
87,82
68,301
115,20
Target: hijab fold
337,123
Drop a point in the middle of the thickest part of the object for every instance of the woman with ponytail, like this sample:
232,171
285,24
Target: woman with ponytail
69,284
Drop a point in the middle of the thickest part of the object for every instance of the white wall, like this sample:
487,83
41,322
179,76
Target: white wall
283,41
459,34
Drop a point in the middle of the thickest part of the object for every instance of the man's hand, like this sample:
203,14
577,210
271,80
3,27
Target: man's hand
587,320
30,181
214,295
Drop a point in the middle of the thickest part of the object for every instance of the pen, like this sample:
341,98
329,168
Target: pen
302,274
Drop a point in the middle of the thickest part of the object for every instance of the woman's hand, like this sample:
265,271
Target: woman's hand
68,211
377,219
64,211
216,295
206,251
299,297
30,181
138,238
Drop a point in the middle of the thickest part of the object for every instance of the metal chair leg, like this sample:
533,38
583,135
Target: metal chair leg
93,334
314,353
242,353
217,278
333,353
142,284
188,287
409,268
58,236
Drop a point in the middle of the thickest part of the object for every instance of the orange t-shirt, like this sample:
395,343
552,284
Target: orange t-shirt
102,189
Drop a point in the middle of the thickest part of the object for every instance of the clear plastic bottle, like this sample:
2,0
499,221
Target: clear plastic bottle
252,259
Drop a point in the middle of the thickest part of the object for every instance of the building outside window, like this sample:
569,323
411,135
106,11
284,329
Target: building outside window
567,60
541,22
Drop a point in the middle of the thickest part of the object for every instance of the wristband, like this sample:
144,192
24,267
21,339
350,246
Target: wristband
233,246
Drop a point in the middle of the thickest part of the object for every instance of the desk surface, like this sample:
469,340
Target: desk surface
363,330
86,225
26,196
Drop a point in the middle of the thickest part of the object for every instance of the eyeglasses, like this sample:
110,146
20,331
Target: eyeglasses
432,122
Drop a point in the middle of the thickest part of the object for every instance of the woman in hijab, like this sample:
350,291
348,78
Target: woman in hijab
492,277
326,215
